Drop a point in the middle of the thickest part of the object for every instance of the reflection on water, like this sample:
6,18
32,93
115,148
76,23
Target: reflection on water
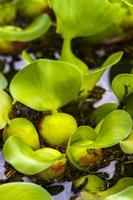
109,170
2,168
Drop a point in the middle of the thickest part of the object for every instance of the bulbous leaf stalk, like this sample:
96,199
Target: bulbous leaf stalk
57,128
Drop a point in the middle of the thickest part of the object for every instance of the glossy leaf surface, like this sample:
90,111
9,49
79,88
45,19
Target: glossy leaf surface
3,82
122,85
25,160
21,191
116,126
122,184
126,194
128,2
83,18
5,106
103,110
92,78
45,84
127,145
25,130
37,28
93,183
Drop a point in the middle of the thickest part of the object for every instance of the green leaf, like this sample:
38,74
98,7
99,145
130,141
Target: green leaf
7,12
25,160
90,80
83,18
127,145
102,111
93,183
86,196
126,194
3,82
46,85
85,144
27,57
31,8
122,85
5,106
37,28
23,191
116,126
80,141
83,133
25,130
128,2
128,104
122,184
122,190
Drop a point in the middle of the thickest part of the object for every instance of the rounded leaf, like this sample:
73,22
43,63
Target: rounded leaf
122,85
116,126
93,183
126,194
5,106
83,18
102,111
127,145
46,85
36,29
25,130
23,191
25,160
3,81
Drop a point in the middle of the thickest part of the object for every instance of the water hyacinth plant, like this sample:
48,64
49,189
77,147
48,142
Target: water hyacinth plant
122,189
85,145
51,130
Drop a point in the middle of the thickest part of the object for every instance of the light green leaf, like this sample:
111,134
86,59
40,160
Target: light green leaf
122,184
84,146
90,80
23,191
25,160
5,106
3,82
93,183
122,85
83,133
25,130
122,190
83,18
31,8
126,194
80,141
128,2
103,110
127,145
7,12
45,84
116,126
37,28
27,57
